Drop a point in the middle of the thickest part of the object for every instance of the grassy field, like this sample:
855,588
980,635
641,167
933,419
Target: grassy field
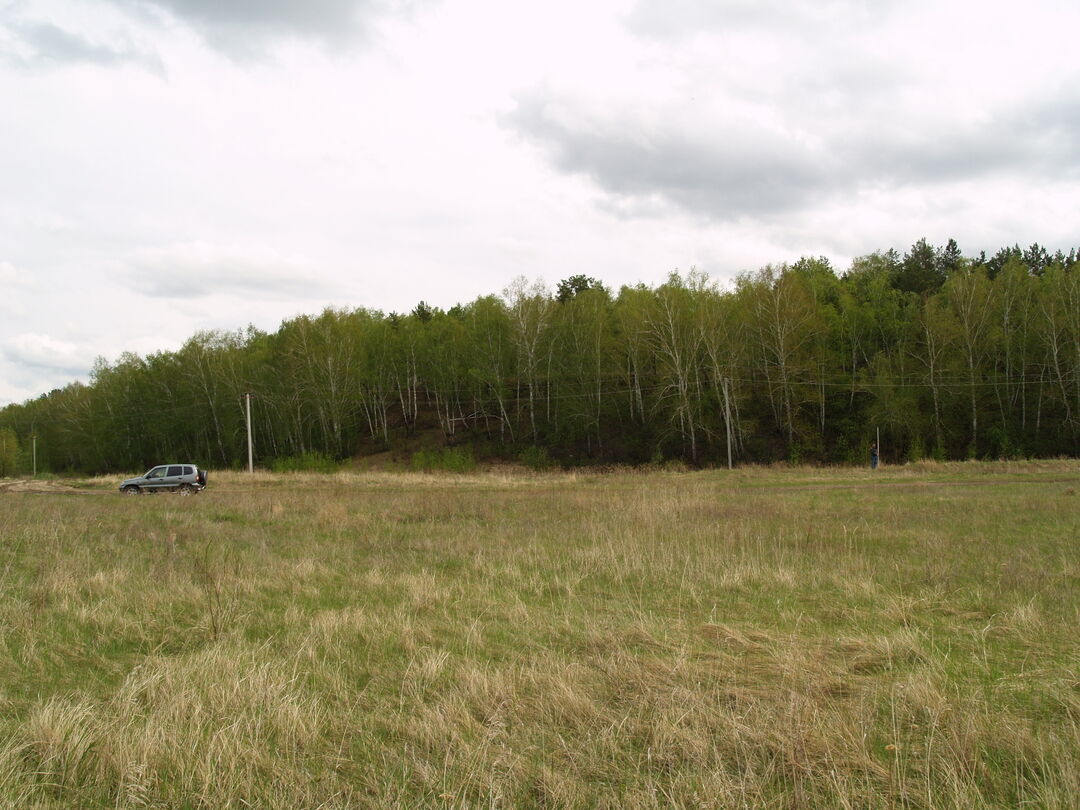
784,638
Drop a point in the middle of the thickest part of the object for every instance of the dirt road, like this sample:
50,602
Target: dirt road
32,485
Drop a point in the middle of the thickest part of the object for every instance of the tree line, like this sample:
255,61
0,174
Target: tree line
945,356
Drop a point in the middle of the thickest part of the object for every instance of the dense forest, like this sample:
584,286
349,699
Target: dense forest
947,356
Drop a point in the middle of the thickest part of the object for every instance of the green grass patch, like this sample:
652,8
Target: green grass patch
305,462
767,637
445,459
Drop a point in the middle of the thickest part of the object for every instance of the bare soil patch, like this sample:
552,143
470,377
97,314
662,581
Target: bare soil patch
32,485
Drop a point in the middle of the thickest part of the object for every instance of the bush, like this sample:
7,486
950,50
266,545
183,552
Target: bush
536,458
9,452
306,462
447,459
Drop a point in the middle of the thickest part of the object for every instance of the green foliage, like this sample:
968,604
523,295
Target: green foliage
978,356
923,269
423,312
536,458
9,452
570,287
305,462
446,459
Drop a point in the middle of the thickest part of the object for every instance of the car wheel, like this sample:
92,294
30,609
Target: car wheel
187,489
130,490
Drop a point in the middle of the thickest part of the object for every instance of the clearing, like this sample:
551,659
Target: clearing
768,637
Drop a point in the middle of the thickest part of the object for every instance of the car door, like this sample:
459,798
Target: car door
155,479
174,476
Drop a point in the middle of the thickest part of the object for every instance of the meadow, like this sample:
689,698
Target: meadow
766,637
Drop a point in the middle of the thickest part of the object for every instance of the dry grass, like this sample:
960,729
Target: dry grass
763,638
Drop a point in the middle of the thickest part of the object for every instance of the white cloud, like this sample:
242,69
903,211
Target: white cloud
200,270
46,352
752,111
12,276
16,288
391,152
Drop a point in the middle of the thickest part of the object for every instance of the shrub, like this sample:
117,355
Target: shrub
536,458
9,452
446,459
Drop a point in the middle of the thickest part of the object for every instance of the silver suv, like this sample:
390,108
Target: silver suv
185,479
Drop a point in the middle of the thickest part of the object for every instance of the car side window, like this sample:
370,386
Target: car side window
175,471
157,472
188,471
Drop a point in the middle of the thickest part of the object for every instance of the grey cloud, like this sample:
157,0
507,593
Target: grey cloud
726,174
1048,129
727,170
244,27
1035,139
43,43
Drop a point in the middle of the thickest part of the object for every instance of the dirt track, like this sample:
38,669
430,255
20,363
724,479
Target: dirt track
30,485
24,485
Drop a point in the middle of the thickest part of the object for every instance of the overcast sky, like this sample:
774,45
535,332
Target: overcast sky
168,166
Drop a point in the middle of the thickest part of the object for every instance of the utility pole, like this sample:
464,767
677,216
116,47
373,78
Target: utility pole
33,444
251,465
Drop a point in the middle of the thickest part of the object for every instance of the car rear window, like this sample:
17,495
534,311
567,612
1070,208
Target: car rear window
175,471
